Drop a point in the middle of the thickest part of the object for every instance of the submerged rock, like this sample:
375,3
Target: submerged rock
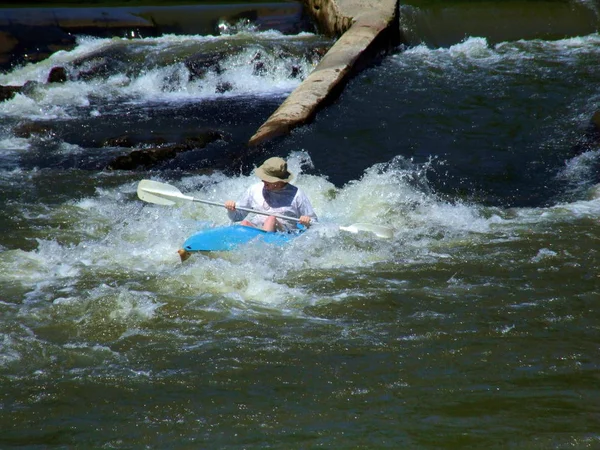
119,141
152,156
590,139
27,130
104,63
202,63
8,92
57,75
224,86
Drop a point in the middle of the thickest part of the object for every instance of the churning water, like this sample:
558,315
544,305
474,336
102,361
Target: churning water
475,326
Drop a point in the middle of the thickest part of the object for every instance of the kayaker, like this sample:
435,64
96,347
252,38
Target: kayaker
274,194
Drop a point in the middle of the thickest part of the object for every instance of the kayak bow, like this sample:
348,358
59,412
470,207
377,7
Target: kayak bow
228,238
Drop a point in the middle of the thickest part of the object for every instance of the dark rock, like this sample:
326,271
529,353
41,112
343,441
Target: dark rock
120,141
106,62
259,69
146,158
29,87
143,158
57,75
200,64
29,129
8,92
224,86
97,66
156,140
203,140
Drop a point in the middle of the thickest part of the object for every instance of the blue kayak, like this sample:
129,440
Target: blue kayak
227,238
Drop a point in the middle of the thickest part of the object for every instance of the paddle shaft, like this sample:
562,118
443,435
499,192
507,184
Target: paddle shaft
279,216
208,202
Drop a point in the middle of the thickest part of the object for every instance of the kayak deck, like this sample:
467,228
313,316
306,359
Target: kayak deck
228,238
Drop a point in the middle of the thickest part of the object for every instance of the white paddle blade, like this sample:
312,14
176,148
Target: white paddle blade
151,198
159,193
378,230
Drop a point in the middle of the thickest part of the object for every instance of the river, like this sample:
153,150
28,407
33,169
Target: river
475,326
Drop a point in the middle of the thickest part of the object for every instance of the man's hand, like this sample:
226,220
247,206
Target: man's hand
305,220
230,205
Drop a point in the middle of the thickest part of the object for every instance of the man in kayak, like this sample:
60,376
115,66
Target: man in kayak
274,195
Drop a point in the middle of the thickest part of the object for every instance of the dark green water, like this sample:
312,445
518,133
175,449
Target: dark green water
475,326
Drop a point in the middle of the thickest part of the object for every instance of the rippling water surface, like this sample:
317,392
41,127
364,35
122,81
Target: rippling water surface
475,326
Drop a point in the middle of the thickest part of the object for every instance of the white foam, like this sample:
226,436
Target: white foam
115,236
580,169
503,56
165,82
10,144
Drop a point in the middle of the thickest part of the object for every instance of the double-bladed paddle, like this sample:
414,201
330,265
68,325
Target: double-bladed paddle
164,194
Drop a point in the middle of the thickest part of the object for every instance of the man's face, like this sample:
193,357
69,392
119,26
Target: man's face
274,186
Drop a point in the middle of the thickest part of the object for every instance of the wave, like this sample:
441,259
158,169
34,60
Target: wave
166,69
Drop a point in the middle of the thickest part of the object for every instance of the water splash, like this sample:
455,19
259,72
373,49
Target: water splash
165,69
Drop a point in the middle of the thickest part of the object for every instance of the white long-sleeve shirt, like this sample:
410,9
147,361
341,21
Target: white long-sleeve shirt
289,201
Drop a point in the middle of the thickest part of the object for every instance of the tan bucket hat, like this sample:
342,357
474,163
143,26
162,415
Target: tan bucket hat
274,170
